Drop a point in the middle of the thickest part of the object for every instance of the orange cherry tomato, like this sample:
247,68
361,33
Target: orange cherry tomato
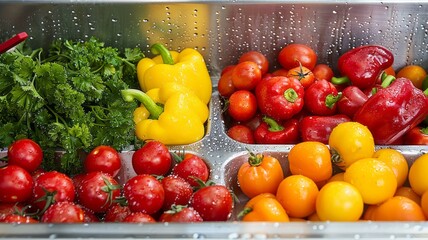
303,74
264,207
260,174
311,159
323,71
414,73
399,208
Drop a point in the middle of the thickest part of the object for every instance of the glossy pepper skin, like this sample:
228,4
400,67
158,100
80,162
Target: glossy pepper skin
187,68
280,97
416,136
318,128
271,132
363,65
179,119
321,98
393,110
351,100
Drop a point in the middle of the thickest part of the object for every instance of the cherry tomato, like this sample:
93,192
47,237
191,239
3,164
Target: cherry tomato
323,71
52,187
303,74
104,159
192,167
294,54
242,105
241,133
246,75
260,174
213,203
25,153
9,208
181,213
177,191
116,213
152,158
280,72
414,73
225,85
96,191
227,69
144,194
19,219
63,212
16,184
139,217
257,57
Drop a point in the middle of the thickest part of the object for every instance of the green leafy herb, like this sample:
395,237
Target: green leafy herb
68,99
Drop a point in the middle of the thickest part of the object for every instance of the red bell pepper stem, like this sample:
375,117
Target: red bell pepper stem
158,48
291,95
331,99
273,125
387,80
340,80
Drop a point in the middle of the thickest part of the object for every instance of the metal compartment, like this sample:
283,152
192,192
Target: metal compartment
221,31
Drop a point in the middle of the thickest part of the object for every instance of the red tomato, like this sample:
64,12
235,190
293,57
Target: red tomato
225,85
9,208
97,191
16,218
144,194
63,212
213,203
303,74
25,153
139,217
241,133
152,158
52,187
242,105
116,213
177,191
227,69
181,214
292,55
323,71
257,57
280,72
246,75
16,184
192,167
103,159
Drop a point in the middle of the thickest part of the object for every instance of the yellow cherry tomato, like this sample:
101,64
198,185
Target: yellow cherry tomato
339,201
396,161
349,142
373,178
414,73
418,174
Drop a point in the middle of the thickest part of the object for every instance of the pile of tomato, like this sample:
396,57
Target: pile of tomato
297,102
168,187
361,183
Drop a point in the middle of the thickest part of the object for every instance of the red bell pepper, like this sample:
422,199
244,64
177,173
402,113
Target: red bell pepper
416,136
393,110
271,132
318,128
351,100
363,65
280,97
321,97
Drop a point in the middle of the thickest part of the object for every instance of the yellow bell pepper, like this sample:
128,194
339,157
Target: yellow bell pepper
187,68
176,115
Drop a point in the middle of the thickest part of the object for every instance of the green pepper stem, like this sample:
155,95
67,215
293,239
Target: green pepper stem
158,48
273,125
290,95
331,99
387,81
426,92
130,94
340,80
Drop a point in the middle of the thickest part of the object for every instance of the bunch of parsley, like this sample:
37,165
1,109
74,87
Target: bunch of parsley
68,99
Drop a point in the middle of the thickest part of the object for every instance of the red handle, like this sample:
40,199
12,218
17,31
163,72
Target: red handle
12,42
